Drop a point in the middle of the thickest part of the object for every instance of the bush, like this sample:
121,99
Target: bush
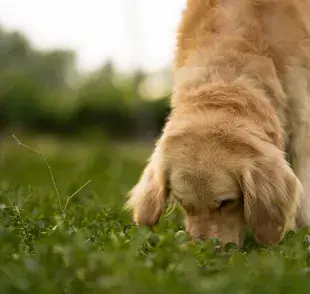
42,92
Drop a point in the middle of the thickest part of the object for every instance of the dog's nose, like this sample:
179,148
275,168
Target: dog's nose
219,242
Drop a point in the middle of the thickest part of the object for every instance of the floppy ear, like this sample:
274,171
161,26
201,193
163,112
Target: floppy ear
148,197
271,198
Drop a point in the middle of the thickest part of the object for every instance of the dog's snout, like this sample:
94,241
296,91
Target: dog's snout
203,228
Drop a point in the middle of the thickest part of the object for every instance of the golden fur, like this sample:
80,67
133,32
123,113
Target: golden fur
235,147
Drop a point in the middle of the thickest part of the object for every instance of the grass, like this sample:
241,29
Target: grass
92,245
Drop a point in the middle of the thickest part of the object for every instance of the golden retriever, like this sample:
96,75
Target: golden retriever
234,151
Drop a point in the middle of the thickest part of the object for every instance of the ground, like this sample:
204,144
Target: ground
89,244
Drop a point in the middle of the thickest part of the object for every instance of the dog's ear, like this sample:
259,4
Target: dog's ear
271,198
148,197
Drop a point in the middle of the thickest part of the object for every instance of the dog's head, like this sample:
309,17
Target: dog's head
226,175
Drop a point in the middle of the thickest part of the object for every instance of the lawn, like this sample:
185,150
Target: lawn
88,244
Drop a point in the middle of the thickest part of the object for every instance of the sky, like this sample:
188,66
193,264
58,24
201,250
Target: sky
130,32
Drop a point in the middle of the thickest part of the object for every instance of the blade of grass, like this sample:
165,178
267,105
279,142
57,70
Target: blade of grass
52,175
47,165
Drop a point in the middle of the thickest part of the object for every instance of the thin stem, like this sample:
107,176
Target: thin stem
47,165
76,192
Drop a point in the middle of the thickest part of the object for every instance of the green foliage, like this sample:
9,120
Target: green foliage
94,248
42,91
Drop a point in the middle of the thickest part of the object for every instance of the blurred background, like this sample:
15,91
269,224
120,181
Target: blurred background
76,67
86,83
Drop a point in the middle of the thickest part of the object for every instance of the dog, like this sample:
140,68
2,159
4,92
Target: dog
234,151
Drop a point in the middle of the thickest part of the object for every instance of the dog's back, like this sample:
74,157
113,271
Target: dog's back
266,41
266,27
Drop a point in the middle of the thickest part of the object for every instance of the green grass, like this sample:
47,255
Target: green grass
93,246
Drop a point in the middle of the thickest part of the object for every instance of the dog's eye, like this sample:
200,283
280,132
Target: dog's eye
224,203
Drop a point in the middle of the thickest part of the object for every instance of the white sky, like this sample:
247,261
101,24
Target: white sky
99,29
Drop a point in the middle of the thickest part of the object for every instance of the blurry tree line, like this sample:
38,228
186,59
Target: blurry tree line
42,91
